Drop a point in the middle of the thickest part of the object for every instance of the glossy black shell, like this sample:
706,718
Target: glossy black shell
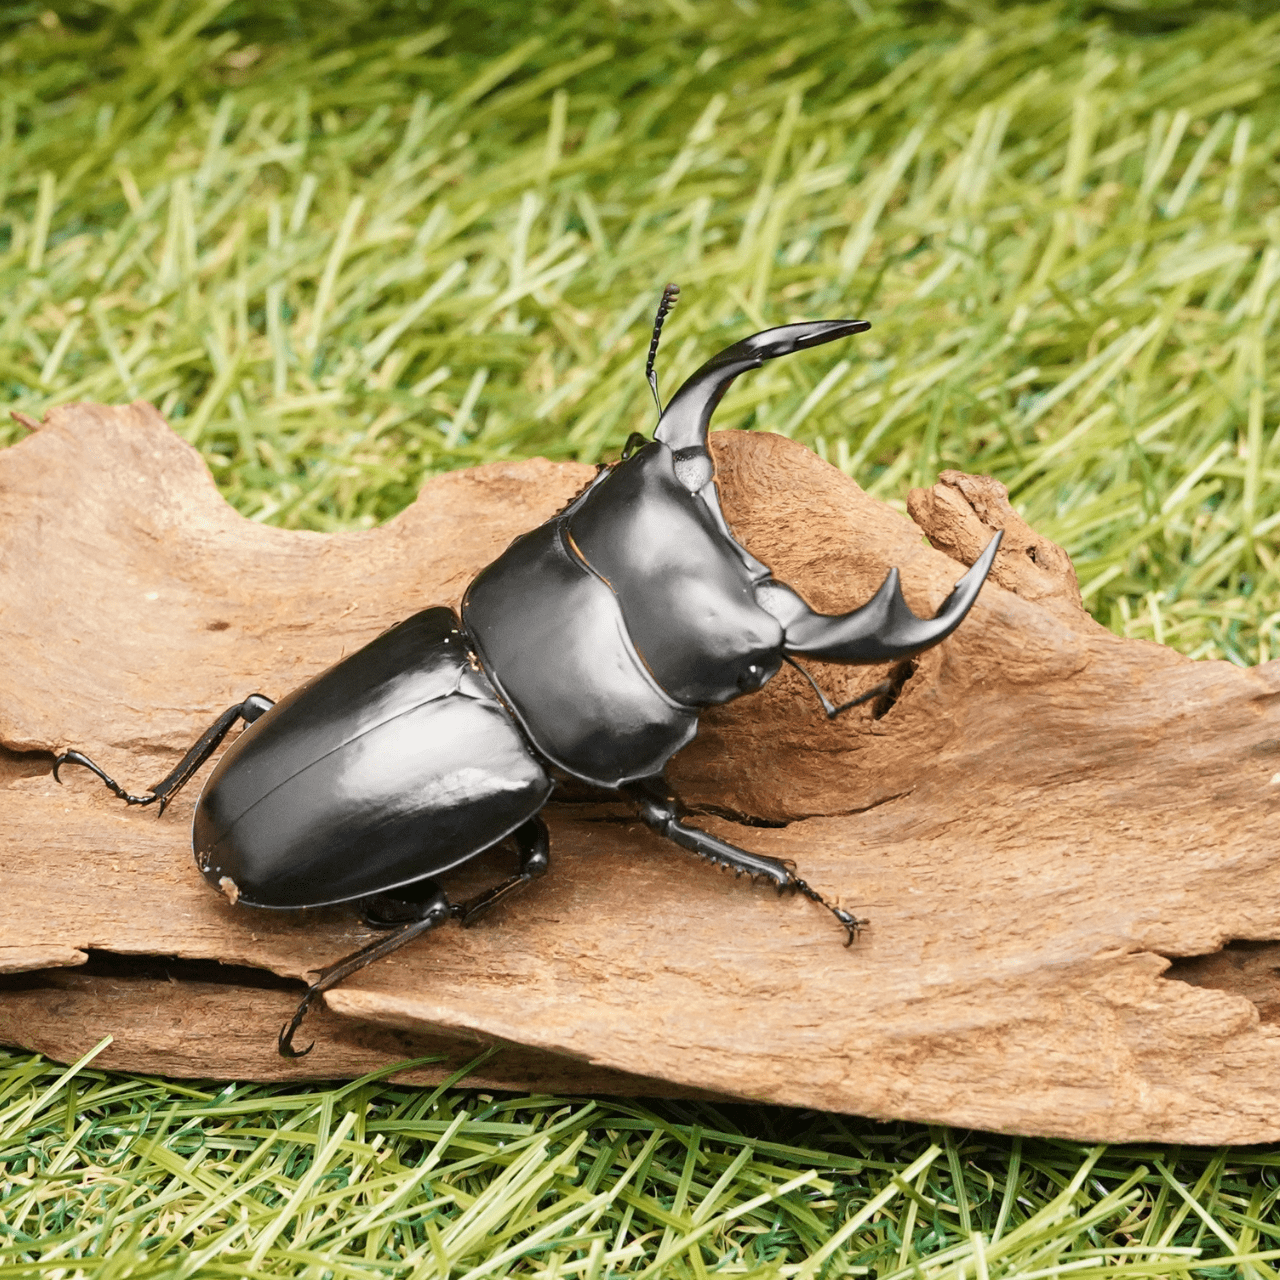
686,590
610,627
591,644
399,762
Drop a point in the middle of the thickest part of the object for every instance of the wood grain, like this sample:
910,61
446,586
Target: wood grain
1052,831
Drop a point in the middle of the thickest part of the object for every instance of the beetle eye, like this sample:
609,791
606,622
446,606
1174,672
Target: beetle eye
751,677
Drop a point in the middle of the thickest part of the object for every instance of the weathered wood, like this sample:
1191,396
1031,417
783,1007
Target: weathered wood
185,1019
1042,817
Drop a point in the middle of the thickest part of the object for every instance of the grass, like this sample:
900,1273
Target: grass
107,1175
343,263
345,247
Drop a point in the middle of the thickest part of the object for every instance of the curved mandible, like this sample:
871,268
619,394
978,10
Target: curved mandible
883,629
687,417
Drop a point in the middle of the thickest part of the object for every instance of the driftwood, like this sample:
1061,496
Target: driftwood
1064,841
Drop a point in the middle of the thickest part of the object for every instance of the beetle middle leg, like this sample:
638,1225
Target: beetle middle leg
254,706
660,812
533,845
435,909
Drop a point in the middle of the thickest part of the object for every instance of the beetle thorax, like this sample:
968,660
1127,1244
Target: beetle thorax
685,588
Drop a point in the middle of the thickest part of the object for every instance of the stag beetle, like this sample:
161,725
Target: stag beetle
589,647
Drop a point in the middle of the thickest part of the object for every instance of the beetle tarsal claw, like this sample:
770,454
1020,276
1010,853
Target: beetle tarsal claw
850,922
284,1044
76,757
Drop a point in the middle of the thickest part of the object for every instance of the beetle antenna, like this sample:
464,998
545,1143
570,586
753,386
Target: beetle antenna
670,296
876,691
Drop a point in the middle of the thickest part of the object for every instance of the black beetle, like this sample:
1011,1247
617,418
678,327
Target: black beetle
589,647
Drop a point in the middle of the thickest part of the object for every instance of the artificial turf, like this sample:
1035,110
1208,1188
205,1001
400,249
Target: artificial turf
348,246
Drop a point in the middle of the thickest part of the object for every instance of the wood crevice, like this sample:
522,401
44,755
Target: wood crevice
125,967
1244,967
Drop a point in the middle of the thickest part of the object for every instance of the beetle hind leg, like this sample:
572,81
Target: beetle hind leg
435,911
425,906
255,705
660,812
77,757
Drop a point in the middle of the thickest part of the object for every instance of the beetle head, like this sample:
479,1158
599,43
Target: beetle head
709,619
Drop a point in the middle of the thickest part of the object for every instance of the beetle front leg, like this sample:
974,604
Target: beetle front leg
255,705
660,812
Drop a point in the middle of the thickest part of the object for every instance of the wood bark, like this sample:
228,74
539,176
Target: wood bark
1064,842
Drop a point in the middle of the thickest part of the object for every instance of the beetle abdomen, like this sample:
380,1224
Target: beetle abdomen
398,763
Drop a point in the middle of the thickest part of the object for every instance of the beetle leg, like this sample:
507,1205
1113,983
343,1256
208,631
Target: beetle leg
534,846
660,812
829,707
435,913
432,908
255,705
75,757
409,903
391,910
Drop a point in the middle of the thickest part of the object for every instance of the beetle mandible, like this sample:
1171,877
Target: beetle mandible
589,646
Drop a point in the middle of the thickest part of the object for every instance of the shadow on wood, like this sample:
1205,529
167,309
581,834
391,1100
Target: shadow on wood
1038,820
